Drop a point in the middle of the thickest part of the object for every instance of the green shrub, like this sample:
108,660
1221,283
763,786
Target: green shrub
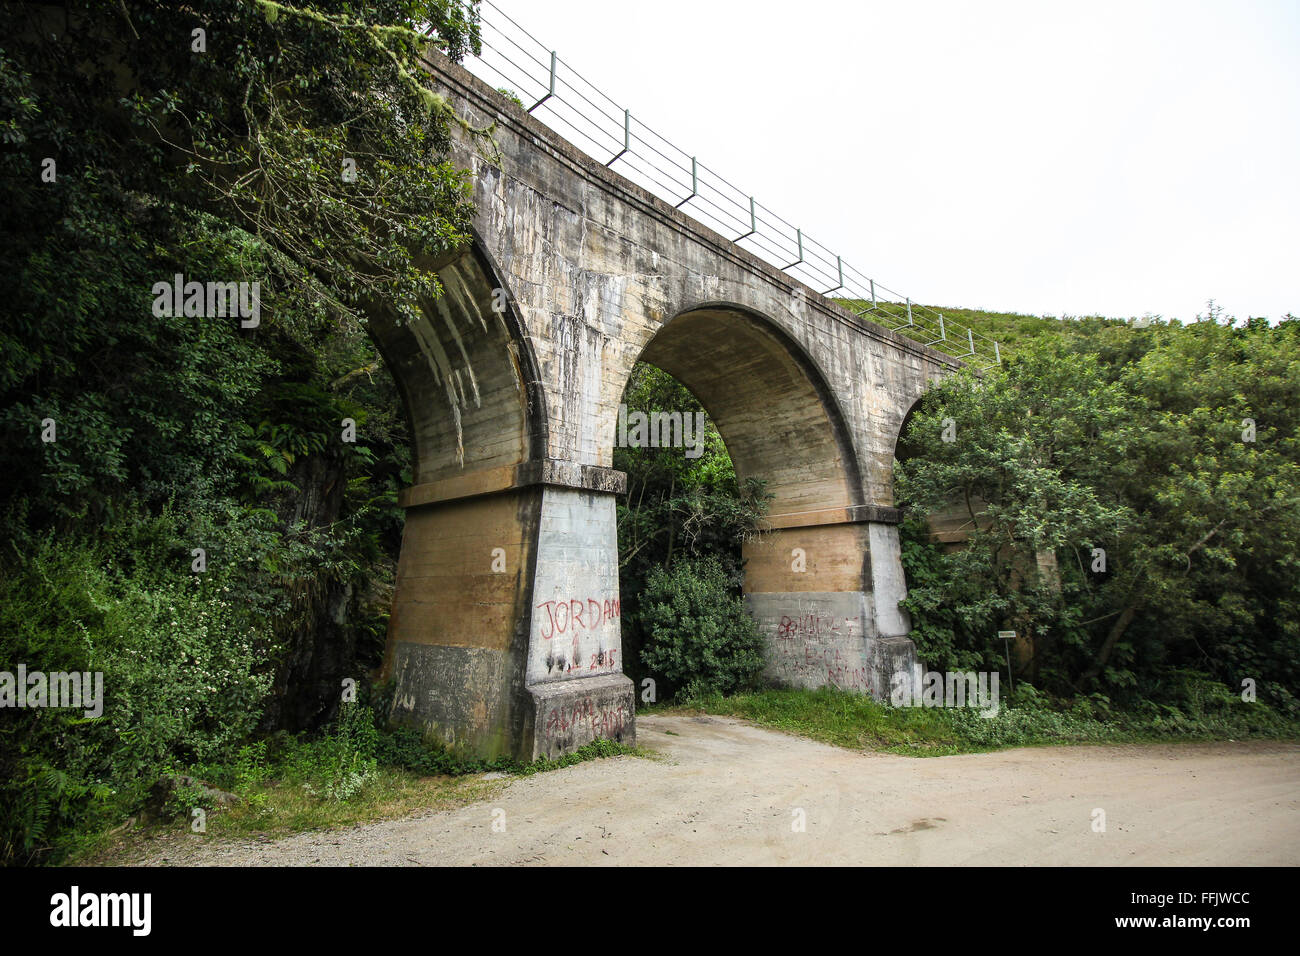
184,664
340,764
699,639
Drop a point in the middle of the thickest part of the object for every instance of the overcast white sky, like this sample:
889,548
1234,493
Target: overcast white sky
1039,157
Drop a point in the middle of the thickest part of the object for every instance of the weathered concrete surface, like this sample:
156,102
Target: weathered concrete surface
830,639
576,607
572,713
458,631
513,381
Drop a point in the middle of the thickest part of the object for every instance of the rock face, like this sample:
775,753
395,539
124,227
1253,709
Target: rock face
505,630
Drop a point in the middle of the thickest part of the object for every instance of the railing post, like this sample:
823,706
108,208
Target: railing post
627,137
695,184
551,92
753,222
839,266
970,339
798,233
943,334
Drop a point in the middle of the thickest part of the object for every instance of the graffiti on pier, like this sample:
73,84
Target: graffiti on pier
575,634
598,719
811,649
810,626
576,615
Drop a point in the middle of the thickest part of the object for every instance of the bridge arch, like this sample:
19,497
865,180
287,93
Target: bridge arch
597,273
466,372
770,403
459,628
949,526
812,581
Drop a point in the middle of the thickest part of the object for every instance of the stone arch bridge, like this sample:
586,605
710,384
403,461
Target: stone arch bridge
505,629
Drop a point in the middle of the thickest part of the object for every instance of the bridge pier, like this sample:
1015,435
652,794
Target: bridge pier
825,597
575,654
504,637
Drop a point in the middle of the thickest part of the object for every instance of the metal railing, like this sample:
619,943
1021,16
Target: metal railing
514,61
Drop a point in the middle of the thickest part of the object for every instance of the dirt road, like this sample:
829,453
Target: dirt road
723,791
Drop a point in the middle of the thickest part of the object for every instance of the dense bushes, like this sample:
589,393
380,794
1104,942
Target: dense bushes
172,432
183,658
1189,706
1159,468
699,638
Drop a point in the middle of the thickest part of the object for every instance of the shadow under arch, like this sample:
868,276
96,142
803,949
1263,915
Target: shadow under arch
769,402
902,449
951,524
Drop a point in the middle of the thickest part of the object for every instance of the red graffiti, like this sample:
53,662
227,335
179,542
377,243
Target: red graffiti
845,677
819,661
810,626
602,660
575,614
607,719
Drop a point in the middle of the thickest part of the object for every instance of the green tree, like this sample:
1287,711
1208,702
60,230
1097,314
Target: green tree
217,140
1024,452
1131,441
1207,574
132,149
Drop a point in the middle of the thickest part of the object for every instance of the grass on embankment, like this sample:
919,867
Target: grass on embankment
1010,329
861,723
291,785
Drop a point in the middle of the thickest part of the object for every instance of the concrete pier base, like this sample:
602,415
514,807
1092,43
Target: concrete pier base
505,634
829,639
568,714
